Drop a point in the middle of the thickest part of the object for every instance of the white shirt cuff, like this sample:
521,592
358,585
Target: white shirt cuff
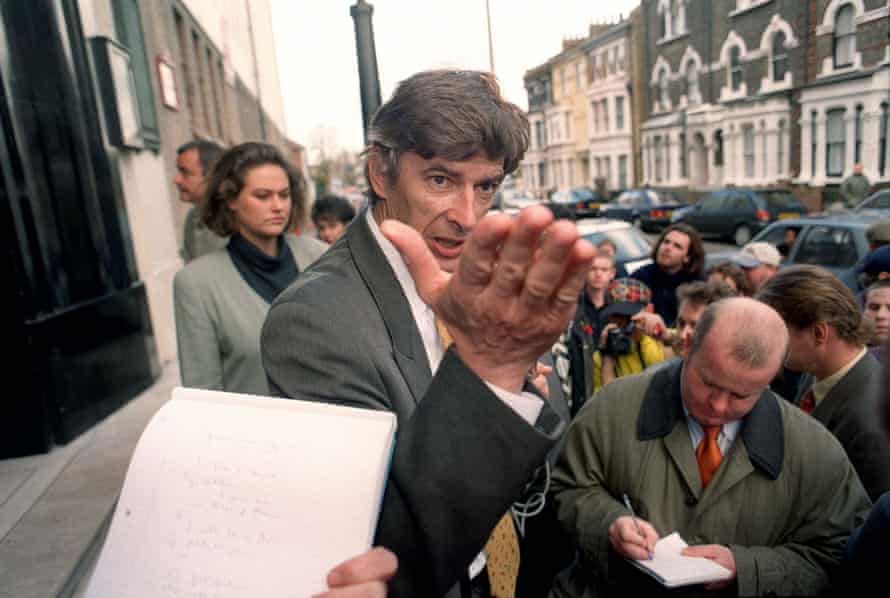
527,405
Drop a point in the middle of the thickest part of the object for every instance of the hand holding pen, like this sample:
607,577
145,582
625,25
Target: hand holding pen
631,536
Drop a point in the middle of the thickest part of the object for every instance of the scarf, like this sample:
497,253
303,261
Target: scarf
266,275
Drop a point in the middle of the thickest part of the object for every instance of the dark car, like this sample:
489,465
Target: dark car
740,213
578,202
879,201
647,209
834,241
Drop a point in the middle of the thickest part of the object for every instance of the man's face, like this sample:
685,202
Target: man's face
673,253
877,309
760,274
329,228
601,273
716,388
441,199
189,177
687,319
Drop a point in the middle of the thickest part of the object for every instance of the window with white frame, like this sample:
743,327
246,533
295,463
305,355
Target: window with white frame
677,25
606,114
595,107
542,174
735,68
844,39
857,136
568,118
780,149
622,172
718,147
621,63
607,167
598,162
619,113
748,149
664,91
814,139
692,93
667,157
579,74
571,178
683,170
540,136
780,57
835,142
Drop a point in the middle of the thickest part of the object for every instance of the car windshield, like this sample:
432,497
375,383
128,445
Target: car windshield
780,199
629,243
582,194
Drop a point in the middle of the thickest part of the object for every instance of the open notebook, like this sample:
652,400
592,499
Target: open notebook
672,569
236,496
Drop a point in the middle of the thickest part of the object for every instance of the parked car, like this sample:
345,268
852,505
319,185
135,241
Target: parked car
647,209
632,248
879,201
578,202
834,241
740,213
519,199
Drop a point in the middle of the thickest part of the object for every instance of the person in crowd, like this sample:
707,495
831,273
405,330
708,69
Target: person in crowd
694,297
573,353
678,257
877,310
607,246
855,187
331,215
842,381
788,240
703,448
424,325
867,549
221,298
760,261
875,266
194,161
878,234
624,347
731,275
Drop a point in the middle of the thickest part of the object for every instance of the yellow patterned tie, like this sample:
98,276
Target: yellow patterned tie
502,547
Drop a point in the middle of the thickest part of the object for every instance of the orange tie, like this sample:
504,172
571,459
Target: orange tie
708,454
502,547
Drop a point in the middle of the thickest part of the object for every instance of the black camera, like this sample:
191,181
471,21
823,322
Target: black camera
618,341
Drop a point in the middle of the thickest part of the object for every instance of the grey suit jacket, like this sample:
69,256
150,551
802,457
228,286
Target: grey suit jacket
850,412
218,321
343,333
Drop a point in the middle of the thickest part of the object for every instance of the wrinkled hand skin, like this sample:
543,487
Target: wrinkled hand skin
513,292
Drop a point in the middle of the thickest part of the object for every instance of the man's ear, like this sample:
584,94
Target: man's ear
378,177
820,332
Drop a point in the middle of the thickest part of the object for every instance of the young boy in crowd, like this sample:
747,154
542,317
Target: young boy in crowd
331,214
624,347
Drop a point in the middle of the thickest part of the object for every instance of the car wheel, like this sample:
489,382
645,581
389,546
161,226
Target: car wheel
638,224
742,235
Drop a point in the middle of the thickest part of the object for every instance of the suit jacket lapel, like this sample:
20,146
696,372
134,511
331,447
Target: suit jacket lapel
407,345
837,397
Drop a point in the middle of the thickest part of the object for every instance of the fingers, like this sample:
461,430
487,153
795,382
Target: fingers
577,266
371,589
519,248
549,270
706,550
425,270
630,542
378,564
476,265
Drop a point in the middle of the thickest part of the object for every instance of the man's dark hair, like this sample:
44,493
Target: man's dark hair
704,293
804,295
227,180
734,272
696,251
208,153
333,206
452,114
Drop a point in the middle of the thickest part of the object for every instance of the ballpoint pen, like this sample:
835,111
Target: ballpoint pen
636,523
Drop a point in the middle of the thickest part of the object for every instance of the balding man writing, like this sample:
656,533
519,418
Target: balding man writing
702,447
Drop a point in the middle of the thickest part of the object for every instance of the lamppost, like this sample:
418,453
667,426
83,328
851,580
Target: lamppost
369,82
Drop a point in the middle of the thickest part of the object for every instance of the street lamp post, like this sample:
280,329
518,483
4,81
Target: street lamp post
369,82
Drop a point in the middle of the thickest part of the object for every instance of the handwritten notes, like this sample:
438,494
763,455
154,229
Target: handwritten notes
231,496
673,569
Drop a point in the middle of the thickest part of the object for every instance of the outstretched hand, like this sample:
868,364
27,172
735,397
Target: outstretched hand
513,292
364,576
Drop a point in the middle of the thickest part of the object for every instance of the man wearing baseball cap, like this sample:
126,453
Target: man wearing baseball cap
624,347
760,261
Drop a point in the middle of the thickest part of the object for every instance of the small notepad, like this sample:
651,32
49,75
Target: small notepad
237,496
672,569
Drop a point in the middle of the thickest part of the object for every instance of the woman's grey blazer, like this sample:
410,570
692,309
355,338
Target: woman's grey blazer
218,321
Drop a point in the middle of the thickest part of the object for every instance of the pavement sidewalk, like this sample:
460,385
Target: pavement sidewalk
55,508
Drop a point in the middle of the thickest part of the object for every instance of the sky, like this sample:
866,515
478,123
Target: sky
315,41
